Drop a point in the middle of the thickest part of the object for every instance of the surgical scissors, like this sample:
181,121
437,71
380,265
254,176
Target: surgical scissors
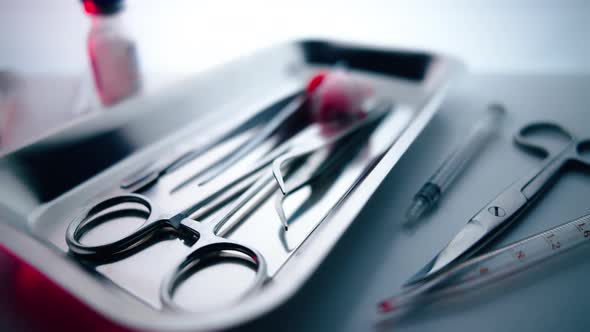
559,147
209,234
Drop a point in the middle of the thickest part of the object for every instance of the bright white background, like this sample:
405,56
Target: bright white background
185,36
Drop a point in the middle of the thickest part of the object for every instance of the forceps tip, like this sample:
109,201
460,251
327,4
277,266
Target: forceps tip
276,171
281,212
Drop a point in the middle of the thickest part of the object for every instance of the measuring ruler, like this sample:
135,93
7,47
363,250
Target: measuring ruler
494,265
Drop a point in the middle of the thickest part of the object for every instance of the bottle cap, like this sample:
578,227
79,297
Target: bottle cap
102,7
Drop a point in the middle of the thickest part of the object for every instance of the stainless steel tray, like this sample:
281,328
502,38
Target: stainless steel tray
55,178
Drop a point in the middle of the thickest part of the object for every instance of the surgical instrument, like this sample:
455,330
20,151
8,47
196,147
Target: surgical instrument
547,139
315,96
322,141
335,90
495,265
322,170
186,152
428,196
209,233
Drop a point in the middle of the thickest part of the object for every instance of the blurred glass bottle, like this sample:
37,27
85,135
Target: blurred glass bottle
9,103
112,52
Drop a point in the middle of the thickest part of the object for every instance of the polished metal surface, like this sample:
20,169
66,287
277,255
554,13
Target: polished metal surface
191,150
317,214
209,242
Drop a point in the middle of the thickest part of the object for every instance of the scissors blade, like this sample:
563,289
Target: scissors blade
471,234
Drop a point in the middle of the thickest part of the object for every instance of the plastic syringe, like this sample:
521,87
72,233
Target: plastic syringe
427,197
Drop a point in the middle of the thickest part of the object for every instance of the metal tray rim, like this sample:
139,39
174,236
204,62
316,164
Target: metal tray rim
110,304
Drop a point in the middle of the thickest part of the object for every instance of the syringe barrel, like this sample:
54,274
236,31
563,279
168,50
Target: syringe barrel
469,147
